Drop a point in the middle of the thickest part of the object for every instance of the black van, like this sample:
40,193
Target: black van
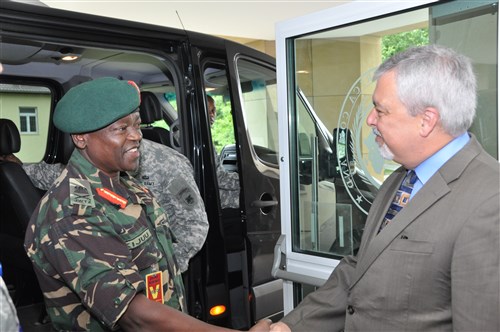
44,52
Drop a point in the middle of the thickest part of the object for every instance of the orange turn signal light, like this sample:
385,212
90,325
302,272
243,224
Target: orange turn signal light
217,310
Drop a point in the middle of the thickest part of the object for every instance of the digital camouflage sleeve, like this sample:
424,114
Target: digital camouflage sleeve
229,186
169,176
43,175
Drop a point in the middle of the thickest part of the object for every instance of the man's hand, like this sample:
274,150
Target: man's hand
262,325
279,327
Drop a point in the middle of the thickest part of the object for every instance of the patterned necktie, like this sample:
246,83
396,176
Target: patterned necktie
401,199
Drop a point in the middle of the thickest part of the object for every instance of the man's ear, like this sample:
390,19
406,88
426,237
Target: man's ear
79,140
430,120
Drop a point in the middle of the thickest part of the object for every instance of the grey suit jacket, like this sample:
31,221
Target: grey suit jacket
435,267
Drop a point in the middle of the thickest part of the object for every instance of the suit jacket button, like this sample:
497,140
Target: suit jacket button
350,309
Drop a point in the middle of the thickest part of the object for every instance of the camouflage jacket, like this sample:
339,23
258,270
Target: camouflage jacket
229,186
169,176
95,244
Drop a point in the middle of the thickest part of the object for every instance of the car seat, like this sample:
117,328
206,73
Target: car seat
67,148
150,111
18,199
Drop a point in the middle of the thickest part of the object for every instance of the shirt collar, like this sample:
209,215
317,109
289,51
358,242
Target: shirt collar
97,178
431,165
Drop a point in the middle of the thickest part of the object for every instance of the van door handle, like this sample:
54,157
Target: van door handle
262,204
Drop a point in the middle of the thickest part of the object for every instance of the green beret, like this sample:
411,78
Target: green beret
96,104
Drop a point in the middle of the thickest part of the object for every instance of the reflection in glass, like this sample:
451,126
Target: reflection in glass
337,169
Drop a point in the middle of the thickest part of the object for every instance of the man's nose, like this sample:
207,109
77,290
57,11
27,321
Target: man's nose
371,119
135,134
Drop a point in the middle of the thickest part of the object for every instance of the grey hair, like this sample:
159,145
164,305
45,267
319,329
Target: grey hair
435,76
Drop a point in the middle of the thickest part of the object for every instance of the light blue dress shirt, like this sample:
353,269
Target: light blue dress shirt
431,165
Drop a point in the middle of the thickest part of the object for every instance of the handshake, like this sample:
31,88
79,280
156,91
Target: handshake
266,325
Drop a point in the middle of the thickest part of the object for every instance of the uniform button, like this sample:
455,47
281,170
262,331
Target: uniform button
117,301
350,310
120,265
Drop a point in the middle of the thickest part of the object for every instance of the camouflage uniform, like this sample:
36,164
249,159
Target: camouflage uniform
43,175
169,176
92,251
8,314
229,186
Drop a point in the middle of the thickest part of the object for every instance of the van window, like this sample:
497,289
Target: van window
216,86
259,97
28,107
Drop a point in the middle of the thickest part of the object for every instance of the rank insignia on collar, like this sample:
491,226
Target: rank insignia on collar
80,193
112,197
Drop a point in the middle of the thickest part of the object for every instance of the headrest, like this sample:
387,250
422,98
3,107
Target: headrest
67,148
10,140
150,108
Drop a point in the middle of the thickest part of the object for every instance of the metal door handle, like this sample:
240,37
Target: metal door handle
262,204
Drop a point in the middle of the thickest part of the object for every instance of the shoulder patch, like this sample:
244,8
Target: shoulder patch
80,192
187,196
183,192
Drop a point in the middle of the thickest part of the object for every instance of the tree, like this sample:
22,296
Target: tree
223,128
392,44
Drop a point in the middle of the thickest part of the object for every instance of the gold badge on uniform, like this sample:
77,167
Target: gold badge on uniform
154,286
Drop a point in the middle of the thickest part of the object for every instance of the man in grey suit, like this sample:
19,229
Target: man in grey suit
435,266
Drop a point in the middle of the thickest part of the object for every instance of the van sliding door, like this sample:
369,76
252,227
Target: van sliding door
253,87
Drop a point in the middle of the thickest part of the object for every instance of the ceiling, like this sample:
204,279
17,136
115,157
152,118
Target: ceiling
246,19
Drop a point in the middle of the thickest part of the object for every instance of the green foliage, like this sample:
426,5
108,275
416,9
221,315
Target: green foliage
392,44
171,98
222,129
161,123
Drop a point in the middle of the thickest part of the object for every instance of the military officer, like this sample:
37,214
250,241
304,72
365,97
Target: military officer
99,241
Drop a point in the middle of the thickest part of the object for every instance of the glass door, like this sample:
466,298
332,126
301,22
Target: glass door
330,166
